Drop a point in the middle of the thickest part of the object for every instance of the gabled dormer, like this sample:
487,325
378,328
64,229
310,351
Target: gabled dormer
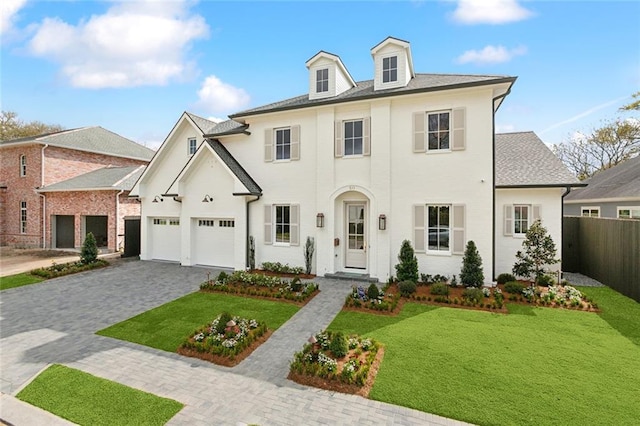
328,76
393,66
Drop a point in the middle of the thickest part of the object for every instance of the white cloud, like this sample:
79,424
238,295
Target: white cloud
490,55
505,128
216,96
8,11
132,44
583,114
490,12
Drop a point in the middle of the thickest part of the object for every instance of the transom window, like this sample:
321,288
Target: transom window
630,212
322,80
590,211
174,222
520,219
438,227
23,165
283,144
227,223
390,69
283,224
159,221
205,222
23,217
438,126
193,146
353,133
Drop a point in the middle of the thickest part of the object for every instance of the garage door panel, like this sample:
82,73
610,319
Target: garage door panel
213,242
165,238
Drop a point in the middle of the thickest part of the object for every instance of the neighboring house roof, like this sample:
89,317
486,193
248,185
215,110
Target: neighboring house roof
235,167
365,90
620,181
523,160
91,139
107,178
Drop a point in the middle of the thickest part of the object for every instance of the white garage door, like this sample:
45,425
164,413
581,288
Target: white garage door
165,238
213,242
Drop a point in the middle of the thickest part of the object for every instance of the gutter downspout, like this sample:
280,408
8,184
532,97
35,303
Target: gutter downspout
493,195
118,217
247,219
44,199
567,192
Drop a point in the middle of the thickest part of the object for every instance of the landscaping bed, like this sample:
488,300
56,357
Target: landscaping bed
62,269
226,340
334,362
262,286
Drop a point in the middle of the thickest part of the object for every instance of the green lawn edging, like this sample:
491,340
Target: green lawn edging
18,280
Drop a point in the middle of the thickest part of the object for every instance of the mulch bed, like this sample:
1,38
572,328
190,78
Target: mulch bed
223,360
282,275
243,288
337,386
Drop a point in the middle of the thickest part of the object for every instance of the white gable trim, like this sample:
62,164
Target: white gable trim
333,58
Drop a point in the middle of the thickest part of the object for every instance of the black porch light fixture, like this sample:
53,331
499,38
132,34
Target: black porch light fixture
157,198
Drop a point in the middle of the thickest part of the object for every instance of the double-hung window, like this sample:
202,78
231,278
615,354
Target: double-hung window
23,217
322,80
520,219
283,144
283,224
390,69
193,145
23,165
353,137
438,126
629,212
438,227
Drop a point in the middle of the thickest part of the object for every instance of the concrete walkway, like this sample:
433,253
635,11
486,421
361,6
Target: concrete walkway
55,322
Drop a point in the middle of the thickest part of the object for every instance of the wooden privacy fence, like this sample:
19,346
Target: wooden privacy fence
607,250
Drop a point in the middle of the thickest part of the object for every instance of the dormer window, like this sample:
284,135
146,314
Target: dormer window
322,80
390,69
193,146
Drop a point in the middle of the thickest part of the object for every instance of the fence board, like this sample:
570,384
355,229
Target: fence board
607,250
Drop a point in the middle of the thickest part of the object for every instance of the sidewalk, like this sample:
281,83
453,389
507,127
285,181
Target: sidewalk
20,413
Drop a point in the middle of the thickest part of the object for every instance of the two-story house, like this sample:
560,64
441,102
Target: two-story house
357,166
57,187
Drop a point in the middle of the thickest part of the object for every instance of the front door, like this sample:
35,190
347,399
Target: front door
356,255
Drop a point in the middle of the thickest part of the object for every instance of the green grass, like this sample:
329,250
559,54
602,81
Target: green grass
166,326
18,280
89,400
537,366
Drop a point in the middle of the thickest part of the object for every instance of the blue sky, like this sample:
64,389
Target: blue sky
134,66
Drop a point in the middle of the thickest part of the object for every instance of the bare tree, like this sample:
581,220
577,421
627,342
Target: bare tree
11,127
632,106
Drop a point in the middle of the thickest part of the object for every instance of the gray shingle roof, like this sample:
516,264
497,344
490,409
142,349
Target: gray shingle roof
522,159
228,127
91,139
364,90
235,167
619,181
108,178
204,124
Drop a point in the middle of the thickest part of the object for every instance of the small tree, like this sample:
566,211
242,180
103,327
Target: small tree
89,252
407,269
309,249
471,274
539,251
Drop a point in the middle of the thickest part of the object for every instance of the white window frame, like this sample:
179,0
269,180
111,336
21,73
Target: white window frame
388,71
283,224
438,132
23,217
192,145
428,227
528,220
590,211
283,143
322,80
206,222
353,138
631,210
23,165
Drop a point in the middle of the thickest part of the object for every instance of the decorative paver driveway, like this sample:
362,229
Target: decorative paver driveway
55,322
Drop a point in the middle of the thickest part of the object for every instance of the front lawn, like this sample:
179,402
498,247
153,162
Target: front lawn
18,280
533,366
167,326
89,400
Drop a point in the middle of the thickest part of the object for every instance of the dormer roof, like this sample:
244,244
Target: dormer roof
328,77
392,55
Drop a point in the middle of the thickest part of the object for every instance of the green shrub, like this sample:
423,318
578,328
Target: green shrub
339,345
407,269
514,287
505,278
296,284
545,280
89,252
373,292
225,317
473,294
407,288
440,289
222,277
471,274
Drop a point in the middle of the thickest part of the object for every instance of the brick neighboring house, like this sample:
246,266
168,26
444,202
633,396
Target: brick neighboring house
56,187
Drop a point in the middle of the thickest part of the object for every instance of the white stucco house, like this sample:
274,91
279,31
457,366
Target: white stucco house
359,167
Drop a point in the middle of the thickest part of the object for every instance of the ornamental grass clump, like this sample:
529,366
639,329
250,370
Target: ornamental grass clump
439,289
